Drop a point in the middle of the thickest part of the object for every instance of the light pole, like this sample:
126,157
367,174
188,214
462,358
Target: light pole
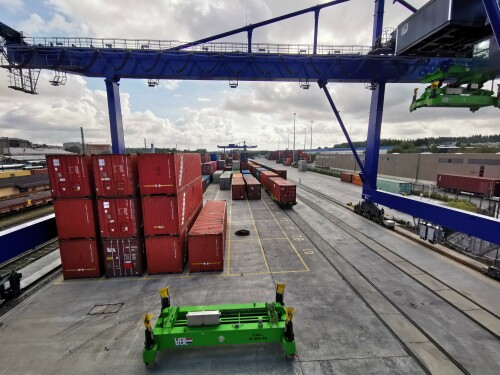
311,135
305,136
293,152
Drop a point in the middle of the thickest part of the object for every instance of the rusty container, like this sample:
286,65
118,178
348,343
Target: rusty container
167,215
70,176
123,257
115,175
80,258
167,174
346,177
76,218
238,188
252,187
119,217
207,238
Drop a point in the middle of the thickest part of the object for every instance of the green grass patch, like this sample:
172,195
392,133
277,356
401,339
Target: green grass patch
462,204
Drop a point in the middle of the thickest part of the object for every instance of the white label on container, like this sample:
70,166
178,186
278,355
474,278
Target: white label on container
55,162
101,162
105,204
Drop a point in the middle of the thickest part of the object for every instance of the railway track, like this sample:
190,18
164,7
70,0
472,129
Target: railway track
28,257
379,248
455,363
448,254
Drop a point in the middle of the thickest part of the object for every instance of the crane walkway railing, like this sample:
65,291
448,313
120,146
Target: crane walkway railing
212,47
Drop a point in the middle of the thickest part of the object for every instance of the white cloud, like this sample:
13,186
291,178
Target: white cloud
12,5
260,113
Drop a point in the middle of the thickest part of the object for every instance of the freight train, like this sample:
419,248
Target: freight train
477,185
23,202
283,192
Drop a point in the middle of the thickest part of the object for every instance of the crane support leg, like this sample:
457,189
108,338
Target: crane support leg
493,11
322,85
115,116
373,137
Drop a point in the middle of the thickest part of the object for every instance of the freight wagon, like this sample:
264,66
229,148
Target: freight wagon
25,202
471,184
282,191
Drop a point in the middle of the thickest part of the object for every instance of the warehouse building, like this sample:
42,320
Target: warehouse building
23,184
420,168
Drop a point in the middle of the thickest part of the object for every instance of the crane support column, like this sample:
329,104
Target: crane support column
493,11
115,115
373,137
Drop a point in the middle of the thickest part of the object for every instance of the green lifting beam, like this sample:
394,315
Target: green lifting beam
216,325
463,90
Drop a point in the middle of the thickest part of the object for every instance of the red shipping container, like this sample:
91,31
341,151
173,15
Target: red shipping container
123,257
167,173
165,215
167,254
346,177
119,217
238,188
75,218
208,167
80,258
283,191
264,178
243,165
70,176
207,238
252,187
471,184
115,175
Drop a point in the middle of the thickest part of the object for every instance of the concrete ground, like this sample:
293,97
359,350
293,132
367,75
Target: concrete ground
366,300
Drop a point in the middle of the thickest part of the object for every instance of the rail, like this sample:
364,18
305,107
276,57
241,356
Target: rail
212,47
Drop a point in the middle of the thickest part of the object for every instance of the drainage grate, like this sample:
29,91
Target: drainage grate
112,308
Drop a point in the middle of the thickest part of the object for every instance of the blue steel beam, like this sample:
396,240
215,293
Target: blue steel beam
376,110
476,225
373,137
493,11
322,85
259,24
316,22
406,5
115,116
144,64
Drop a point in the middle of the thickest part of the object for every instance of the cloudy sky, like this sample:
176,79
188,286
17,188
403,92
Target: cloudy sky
204,114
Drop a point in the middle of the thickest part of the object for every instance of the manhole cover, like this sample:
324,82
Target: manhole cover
106,309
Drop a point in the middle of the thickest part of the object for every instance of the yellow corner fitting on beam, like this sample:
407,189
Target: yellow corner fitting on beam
434,84
164,292
280,288
290,312
147,321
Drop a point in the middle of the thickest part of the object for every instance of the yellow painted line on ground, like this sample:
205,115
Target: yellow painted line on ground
258,238
290,271
290,242
216,195
270,239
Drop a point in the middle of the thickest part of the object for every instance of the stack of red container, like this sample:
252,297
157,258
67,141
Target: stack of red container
119,210
207,238
208,168
76,219
172,198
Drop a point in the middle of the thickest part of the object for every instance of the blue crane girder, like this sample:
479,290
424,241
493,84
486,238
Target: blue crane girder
188,65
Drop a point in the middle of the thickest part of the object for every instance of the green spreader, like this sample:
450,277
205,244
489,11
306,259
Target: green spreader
215,325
